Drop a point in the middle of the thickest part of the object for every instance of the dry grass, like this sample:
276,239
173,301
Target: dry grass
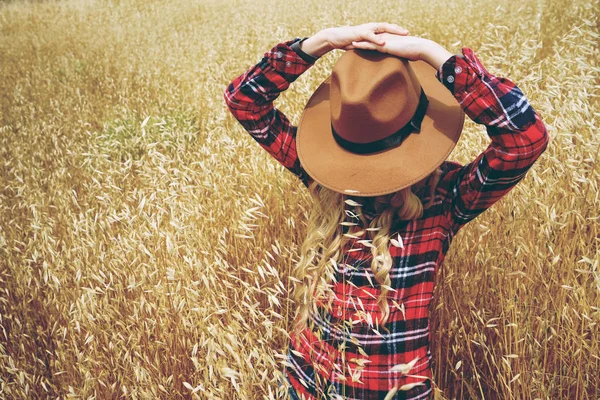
146,241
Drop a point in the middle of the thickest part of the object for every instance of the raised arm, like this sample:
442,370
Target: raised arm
518,137
250,99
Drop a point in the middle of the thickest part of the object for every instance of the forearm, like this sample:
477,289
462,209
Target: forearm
317,45
256,88
487,99
435,54
250,98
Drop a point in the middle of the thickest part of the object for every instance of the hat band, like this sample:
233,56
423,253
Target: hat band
391,141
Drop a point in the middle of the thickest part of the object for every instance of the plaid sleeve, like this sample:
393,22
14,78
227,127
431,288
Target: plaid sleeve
250,98
518,137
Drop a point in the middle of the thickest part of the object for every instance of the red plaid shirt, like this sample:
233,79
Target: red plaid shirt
336,360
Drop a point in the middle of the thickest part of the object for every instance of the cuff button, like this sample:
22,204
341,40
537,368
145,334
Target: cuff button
450,79
457,70
279,54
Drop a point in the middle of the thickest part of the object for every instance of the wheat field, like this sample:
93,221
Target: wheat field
147,242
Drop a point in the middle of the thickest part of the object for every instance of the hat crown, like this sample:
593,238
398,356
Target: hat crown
372,95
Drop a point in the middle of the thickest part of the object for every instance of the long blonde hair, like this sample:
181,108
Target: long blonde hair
323,247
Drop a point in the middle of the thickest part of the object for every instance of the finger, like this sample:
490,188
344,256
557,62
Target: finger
393,28
364,45
372,37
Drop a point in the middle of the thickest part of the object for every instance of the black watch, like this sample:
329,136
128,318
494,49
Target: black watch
305,56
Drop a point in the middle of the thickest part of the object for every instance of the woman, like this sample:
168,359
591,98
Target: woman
371,147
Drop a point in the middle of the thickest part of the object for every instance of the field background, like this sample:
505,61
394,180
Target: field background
146,241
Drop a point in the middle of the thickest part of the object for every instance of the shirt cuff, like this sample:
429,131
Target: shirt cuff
286,62
305,56
447,72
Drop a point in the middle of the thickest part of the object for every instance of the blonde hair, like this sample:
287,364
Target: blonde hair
323,247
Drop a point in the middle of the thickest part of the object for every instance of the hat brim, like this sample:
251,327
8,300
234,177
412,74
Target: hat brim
387,171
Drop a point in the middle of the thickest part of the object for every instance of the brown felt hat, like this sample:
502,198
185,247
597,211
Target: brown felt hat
377,124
